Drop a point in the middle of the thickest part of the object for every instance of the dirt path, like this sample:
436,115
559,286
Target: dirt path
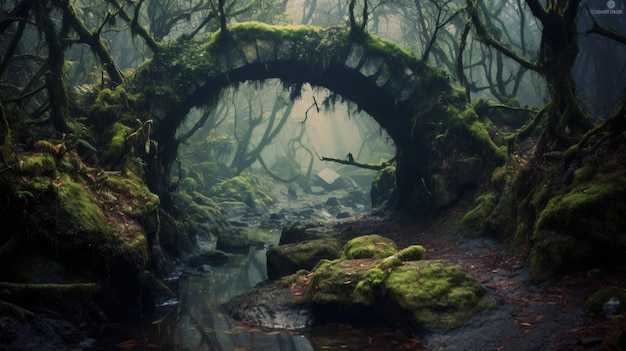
545,316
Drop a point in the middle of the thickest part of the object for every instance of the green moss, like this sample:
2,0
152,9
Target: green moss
189,184
369,246
438,296
474,222
240,189
117,146
595,304
336,283
143,201
412,253
594,206
37,164
76,203
555,253
366,288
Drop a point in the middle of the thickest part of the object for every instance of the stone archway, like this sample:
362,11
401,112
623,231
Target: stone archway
393,86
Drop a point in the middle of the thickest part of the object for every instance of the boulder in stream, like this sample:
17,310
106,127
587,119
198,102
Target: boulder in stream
399,288
287,259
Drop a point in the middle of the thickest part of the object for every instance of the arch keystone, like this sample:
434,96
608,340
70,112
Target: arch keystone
354,58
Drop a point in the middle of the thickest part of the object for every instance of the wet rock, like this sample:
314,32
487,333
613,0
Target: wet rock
343,214
232,209
333,201
24,330
275,216
238,224
270,304
287,259
302,231
292,194
233,240
401,289
214,258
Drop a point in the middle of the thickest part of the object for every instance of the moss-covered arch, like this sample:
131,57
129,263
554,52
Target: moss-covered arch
397,89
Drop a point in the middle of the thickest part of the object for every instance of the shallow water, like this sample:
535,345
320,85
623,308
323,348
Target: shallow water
196,322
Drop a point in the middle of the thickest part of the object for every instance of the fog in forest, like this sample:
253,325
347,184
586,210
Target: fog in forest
312,174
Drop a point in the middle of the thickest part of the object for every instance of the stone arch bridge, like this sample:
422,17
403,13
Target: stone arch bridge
398,90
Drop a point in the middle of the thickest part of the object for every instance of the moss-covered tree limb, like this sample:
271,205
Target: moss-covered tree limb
611,128
137,28
273,175
483,35
609,33
93,40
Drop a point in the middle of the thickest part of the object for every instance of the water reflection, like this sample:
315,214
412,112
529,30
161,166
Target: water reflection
197,323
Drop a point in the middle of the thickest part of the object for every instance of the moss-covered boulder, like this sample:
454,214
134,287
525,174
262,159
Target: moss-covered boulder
475,221
302,231
400,288
287,259
233,240
607,302
341,289
241,189
369,246
582,226
429,294
204,214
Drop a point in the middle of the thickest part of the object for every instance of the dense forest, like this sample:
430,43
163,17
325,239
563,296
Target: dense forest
132,132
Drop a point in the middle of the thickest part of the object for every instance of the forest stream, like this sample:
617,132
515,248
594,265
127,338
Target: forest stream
522,316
